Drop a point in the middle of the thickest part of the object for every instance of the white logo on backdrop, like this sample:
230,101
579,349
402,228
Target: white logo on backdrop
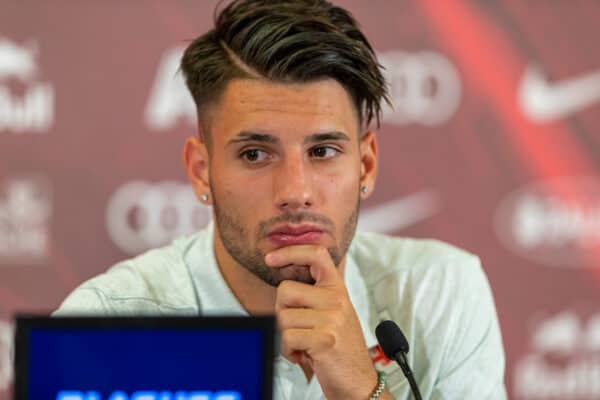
25,210
544,101
400,213
563,361
554,222
425,87
170,99
143,215
6,354
33,110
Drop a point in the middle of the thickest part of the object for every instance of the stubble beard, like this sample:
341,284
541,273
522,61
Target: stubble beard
236,240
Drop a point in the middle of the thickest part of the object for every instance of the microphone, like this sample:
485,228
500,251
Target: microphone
394,346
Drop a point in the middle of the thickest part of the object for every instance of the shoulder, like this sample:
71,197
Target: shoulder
421,261
440,297
155,281
419,274
420,280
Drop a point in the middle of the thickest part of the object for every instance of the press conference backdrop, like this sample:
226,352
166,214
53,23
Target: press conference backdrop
493,145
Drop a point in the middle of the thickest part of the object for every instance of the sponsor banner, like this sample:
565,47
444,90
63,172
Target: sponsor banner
25,214
400,213
543,101
169,99
552,222
563,361
425,87
143,215
30,109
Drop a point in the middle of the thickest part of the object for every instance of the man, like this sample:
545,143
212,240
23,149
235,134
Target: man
287,93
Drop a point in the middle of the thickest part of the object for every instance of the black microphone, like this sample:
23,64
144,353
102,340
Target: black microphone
394,345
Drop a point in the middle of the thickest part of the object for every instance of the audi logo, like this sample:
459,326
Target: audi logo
142,215
425,87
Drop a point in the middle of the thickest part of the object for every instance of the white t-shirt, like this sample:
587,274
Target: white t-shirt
436,293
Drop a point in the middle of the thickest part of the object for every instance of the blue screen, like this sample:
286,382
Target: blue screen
145,364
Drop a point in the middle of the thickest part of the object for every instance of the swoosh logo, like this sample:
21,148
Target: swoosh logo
400,213
544,101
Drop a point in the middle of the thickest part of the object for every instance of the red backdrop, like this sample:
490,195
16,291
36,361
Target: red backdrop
493,145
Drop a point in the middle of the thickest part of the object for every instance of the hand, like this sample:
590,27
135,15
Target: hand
319,325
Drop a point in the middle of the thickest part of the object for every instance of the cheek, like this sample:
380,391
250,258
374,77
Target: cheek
342,183
340,194
239,195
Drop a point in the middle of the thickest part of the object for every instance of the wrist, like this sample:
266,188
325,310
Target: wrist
363,389
360,388
380,389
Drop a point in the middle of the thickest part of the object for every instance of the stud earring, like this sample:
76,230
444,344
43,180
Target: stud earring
204,197
364,189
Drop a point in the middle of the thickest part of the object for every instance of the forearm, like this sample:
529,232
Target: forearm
386,395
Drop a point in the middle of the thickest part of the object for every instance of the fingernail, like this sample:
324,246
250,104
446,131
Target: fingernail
270,258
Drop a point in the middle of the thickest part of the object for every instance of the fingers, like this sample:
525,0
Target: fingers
311,341
309,316
308,319
303,318
316,257
296,294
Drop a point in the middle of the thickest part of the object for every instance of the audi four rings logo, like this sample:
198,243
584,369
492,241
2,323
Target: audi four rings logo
142,215
425,87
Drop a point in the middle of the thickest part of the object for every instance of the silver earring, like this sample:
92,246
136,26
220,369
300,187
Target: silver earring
364,189
204,197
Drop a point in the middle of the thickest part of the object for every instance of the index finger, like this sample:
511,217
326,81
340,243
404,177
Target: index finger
317,258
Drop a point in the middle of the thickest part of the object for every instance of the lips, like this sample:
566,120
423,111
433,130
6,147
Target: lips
302,234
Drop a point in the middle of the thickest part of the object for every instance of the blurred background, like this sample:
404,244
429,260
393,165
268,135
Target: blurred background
493,145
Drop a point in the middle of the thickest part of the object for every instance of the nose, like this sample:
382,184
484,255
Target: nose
293,185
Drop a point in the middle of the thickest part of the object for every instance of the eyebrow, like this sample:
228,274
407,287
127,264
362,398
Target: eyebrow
321,137
267,138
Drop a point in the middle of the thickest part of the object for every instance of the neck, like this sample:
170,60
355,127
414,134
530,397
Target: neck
256,296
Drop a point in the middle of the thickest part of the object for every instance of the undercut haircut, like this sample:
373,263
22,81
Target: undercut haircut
285,41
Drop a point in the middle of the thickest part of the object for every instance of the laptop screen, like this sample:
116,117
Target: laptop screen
144,358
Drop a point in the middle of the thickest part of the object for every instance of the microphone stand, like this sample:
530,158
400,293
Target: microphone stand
400,358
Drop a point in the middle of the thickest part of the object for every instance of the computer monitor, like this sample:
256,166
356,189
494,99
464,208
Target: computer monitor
144,358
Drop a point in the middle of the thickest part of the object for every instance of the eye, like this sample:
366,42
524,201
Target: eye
324,152
253,155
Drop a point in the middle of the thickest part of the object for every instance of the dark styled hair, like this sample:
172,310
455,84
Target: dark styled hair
295,41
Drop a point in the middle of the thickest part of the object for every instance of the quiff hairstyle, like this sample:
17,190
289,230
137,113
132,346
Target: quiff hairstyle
287,41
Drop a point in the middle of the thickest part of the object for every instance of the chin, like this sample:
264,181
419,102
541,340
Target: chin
297,273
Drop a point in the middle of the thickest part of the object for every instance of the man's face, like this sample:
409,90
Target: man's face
284,156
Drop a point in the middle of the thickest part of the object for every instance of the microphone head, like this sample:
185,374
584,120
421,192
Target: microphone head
391,339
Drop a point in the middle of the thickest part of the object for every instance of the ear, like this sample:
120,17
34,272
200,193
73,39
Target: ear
196,163
368,163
